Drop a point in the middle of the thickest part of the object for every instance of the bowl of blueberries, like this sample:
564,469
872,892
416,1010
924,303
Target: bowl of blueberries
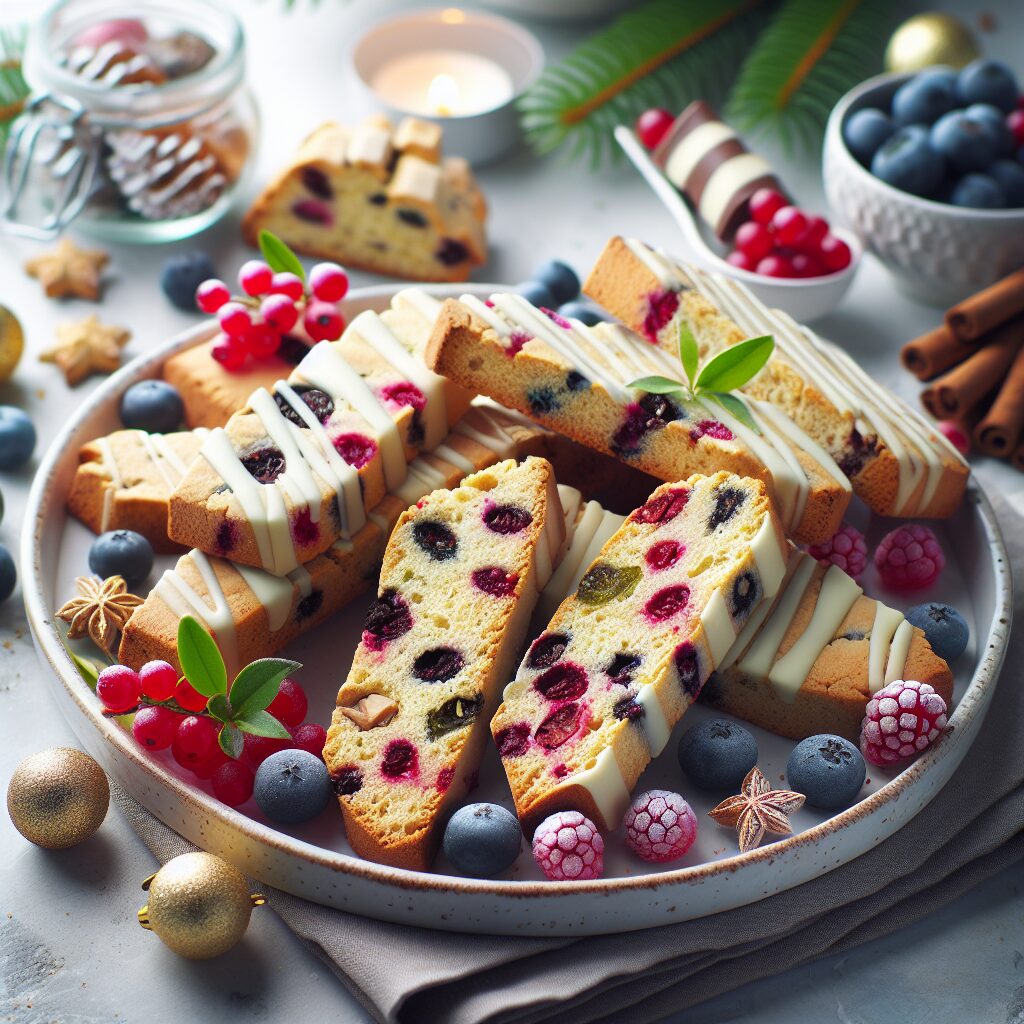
928,169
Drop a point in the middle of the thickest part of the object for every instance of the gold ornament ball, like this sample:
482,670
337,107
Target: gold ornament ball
929,39
58,797
12,342
199,905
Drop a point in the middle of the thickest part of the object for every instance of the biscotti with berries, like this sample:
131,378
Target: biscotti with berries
294,470
573,379
898,463
599,692
461,575
808,662
380,198
124,480
252,614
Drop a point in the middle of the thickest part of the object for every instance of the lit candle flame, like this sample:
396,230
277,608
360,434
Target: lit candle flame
443,95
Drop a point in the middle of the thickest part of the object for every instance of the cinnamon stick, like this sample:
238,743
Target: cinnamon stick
1018,456
999,432
975,316
965,386
934,352
930,400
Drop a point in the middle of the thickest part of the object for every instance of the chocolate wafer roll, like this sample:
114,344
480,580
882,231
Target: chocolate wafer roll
708,162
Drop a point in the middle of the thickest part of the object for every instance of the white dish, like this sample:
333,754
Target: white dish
313,861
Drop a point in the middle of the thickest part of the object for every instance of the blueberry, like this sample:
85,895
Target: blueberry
1009,175
182,275
152,405
482,840
944,627
560,279
717,754
828,770
865,131
987,81
907,162
8,574
17,437
538,294
994,121
966,144
292,786
925,98
580,311
978,191
121,553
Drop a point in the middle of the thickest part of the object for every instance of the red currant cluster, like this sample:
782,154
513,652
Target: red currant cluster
783,241
170,713
254,323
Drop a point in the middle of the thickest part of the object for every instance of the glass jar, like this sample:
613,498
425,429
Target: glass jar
140,126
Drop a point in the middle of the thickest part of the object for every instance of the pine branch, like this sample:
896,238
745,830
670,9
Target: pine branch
13,87
664,53
812,52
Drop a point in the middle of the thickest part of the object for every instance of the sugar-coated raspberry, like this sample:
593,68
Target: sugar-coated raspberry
119,687
567,846
290,705
955,435
232,783
846,548
660,826
310,737
159,680
900,721
909,558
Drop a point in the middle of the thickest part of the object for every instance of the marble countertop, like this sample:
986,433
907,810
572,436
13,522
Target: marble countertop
70,949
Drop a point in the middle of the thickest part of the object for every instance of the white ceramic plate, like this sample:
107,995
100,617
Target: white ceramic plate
314,860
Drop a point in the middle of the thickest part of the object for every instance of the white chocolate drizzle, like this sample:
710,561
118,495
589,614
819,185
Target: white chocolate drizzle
606,785
653,721
112,469
887,621
898,653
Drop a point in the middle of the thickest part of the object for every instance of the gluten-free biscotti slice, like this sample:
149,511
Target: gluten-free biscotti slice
461,575
573,378
124,480
378,197
294,470
599,691
898,463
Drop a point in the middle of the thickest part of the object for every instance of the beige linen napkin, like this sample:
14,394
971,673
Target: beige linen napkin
970,831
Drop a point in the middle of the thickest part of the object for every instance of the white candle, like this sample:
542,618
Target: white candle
443,83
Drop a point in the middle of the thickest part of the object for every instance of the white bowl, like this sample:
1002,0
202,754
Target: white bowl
938,253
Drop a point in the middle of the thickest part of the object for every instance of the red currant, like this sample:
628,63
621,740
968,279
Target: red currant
262,341
196,739
232,783
806,265
235,320
255,277
229,353
834,253
188,698
155,728
328,282
789,225
763,204
159,680
754,240
1015,122
256,749
119,687
323,322
775,265
290,705
310,737
287,284
279,312
652,126
817,229
211,295
741,260
206,769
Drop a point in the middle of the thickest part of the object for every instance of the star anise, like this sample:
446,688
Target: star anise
101,610
758,809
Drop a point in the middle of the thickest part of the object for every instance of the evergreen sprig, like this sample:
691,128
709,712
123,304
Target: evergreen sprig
13,87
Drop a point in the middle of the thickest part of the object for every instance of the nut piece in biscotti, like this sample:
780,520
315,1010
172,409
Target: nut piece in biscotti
572,378
810,661
461,576
898,463
297,467
124,480
599,692
252,614
380,198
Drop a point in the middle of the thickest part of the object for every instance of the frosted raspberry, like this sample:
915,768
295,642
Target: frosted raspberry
660,826
846,548
567,846
900,721
955,435
909,558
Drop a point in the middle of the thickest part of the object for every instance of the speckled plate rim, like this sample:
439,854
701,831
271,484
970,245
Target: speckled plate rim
73,692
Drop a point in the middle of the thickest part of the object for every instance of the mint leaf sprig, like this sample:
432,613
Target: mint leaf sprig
724,373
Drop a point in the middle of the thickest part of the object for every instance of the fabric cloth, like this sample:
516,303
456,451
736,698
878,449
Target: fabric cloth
970,831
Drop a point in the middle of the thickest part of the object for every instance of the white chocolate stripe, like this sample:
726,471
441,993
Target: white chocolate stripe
654,722
769,558
692,148
725,181
664,269
109,463
883,629
898,652
606,785
718,627
416,298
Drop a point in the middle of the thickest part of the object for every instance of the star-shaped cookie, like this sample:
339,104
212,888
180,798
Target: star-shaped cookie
69,271
86,347
758,809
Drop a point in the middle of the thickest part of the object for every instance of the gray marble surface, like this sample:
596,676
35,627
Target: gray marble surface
70,949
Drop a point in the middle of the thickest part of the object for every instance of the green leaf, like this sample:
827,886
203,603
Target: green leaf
657,385
735,366
200,659
688,353
257,684
230,740
279,257
736,406
262,723
220,707
86,669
